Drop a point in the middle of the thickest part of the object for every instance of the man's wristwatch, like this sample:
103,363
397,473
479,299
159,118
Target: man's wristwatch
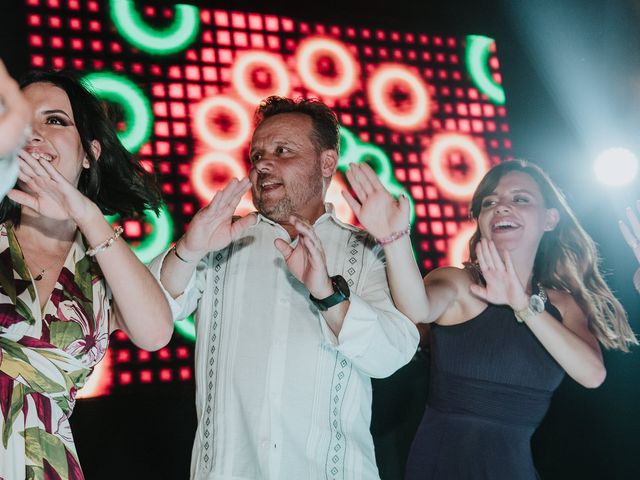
340,294
535,306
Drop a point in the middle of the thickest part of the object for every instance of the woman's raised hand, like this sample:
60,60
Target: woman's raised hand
503,285
376,209
48,192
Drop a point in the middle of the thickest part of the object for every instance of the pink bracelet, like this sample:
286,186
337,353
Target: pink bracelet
394,236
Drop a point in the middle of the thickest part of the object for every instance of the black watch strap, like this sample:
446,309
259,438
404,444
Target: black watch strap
340,293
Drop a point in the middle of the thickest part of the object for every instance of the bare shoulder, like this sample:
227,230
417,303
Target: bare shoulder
448,288
453,275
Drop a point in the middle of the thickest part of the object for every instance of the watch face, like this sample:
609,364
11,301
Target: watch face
340,294
341,285
536,303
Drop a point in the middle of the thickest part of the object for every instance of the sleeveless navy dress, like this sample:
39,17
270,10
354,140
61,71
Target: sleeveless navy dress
490,387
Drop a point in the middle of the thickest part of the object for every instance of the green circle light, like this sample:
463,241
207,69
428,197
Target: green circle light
348,147
159,238
378,160
355,151
186,328
137,110
477,60
172,39
152,246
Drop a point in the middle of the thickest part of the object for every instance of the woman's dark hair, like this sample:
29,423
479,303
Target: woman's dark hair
567,258
326,129
116,181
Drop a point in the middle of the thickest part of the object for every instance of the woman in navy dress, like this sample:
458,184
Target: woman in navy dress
530,306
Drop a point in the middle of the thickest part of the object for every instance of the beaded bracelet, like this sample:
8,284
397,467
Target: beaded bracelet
394,236
92,252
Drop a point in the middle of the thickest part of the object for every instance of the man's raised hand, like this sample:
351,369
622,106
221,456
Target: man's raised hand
213,228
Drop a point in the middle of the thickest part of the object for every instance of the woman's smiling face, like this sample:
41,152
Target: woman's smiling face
55,137
514,213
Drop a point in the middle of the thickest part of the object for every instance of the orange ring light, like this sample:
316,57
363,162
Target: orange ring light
458,251
378,88
437,154
219,140
306,57
241,76
206,189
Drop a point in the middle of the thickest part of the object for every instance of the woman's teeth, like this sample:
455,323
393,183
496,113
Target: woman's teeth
41,156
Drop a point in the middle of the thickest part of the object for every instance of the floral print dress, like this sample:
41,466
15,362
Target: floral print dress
45,357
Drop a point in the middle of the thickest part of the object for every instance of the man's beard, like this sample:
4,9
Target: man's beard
282,209
298,194
280,212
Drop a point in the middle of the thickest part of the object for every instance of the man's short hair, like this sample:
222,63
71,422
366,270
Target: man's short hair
326,129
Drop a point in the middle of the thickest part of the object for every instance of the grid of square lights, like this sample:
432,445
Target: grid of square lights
457,105
134,366
76,34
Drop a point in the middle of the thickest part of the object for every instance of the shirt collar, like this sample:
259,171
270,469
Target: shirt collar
328,215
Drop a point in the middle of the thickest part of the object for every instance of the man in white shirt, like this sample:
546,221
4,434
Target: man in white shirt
293,314
15,115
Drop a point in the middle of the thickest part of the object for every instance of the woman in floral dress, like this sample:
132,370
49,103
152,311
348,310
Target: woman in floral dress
66,278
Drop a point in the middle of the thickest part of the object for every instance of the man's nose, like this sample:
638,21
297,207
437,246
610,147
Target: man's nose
264,164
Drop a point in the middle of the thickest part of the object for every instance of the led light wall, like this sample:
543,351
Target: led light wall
426,111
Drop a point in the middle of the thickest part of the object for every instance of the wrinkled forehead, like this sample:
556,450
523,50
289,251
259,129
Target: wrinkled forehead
283,127
47,97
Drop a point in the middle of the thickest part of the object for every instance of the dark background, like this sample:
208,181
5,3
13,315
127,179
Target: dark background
571,71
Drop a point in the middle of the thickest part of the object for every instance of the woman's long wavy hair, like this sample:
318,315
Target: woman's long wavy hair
567,258
115,181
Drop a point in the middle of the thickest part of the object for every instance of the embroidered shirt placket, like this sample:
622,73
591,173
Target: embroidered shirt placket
334,469
218,268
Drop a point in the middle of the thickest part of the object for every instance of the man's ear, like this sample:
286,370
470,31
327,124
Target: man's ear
328,163
96,149
553,217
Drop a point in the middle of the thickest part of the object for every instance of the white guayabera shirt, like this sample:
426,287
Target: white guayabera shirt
278,395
